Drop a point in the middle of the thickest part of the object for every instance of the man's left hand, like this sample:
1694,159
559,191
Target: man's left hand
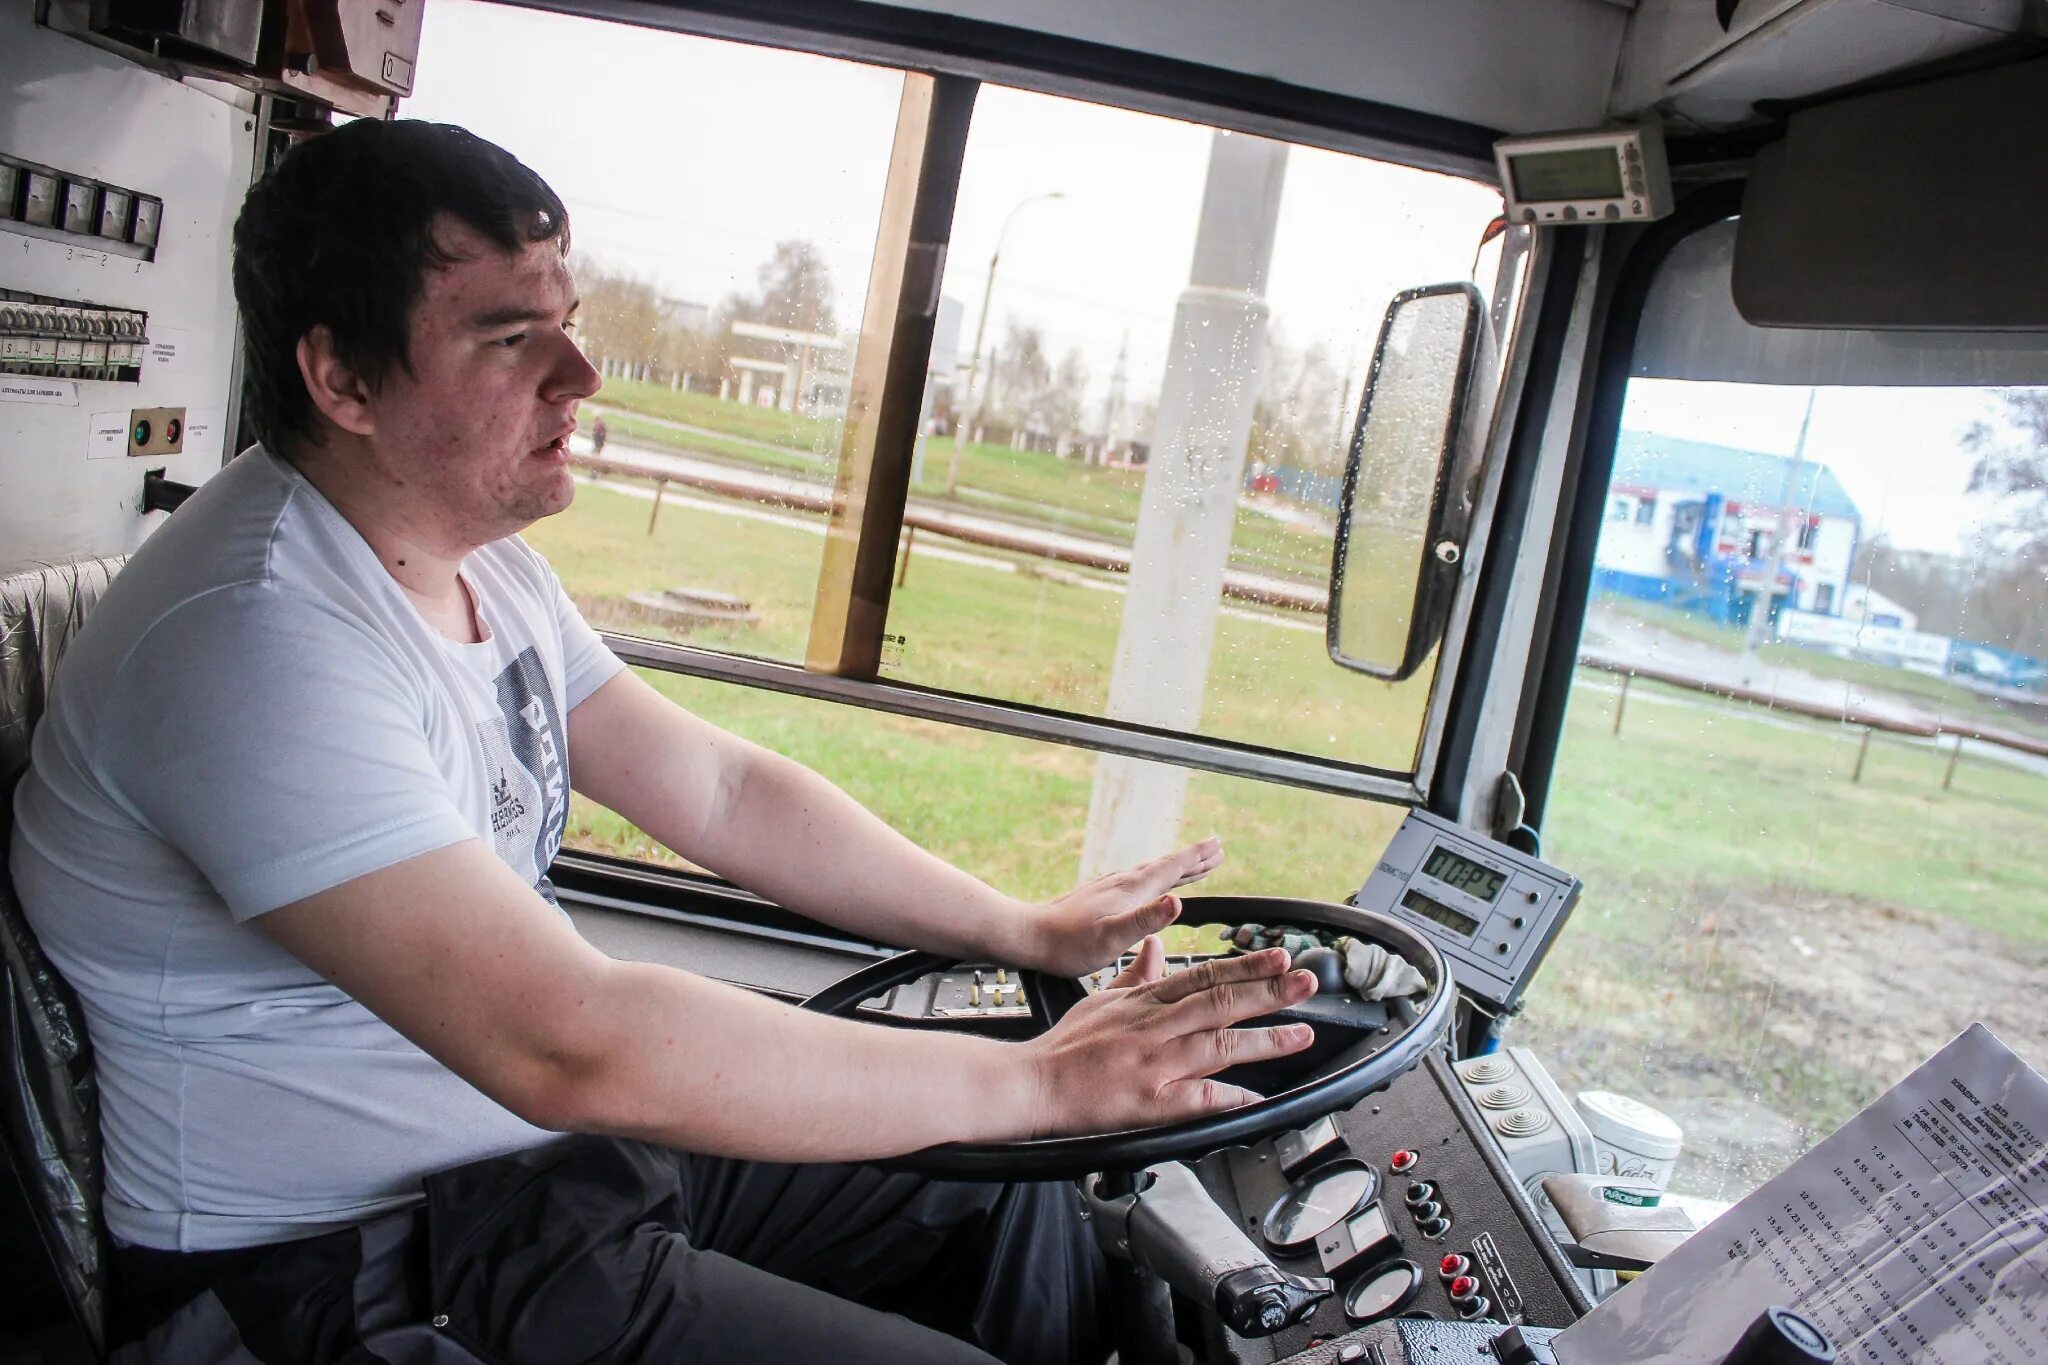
1089,926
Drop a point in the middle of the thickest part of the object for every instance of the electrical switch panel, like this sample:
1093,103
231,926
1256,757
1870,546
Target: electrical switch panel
156,431
65,339
42,201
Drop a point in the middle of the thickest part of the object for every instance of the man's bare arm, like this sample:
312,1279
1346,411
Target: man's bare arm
454,952
778,829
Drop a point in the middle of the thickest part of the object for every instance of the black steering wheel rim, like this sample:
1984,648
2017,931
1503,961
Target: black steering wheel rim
1068,1158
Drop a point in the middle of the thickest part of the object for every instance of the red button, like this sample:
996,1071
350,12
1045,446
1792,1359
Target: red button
1463,1286
1401,1161
1452,1266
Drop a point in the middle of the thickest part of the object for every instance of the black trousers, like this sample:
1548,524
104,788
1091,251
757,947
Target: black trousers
602,1250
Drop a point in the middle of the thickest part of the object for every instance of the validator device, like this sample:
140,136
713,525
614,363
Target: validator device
1491,911
1601,175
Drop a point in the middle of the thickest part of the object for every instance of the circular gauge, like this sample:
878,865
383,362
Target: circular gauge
1318,1202
1382,1291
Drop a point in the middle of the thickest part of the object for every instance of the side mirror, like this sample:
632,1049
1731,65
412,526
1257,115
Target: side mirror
1408,484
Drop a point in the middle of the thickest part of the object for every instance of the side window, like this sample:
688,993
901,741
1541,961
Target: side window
1803,843
1137,434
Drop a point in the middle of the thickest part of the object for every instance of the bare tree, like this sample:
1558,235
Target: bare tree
792,288
619,317
1065,395
625,320
2009,604
1298,420
1018,377
2011,450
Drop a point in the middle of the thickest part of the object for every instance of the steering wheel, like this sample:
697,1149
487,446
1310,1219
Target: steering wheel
1423,1025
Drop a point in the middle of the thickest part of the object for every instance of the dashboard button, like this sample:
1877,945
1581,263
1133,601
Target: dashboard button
1428,1211
1464,1287
1420,1192
1452,1266
1404,1160
1476,1308
1434,1227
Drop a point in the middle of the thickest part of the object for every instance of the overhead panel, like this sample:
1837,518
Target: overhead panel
1679,60
1525,66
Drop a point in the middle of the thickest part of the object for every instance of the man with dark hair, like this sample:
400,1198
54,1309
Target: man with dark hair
287,831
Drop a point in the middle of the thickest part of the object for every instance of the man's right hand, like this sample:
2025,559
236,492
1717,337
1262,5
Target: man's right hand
1142,1052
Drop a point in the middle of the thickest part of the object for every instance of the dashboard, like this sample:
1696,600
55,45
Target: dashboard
1450,1216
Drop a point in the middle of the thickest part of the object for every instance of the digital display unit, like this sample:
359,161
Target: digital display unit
1463,874
1589,175
1439,912
1577,173
1490,909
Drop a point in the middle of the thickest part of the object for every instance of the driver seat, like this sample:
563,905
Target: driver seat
49,1112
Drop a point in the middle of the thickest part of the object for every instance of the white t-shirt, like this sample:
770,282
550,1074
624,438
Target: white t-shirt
253,713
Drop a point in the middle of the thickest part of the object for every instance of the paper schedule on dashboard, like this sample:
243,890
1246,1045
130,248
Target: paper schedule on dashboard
1918,1232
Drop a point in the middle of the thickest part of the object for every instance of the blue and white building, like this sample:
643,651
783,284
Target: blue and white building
1695,525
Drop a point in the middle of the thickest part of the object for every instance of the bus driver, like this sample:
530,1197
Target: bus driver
287,832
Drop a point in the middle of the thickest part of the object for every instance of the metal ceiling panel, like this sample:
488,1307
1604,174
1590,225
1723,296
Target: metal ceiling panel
1677,59
1517,66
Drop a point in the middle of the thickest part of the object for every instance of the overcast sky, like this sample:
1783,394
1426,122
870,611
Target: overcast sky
685,160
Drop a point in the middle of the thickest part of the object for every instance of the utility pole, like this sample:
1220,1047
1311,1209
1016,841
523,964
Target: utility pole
988,289
1189,506
1760,611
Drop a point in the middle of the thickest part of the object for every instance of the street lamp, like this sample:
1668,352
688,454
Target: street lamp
981,330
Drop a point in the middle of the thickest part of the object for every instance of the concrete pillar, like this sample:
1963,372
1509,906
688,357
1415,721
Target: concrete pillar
1190,501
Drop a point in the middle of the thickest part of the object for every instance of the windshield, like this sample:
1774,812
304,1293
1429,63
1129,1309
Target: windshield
1802,766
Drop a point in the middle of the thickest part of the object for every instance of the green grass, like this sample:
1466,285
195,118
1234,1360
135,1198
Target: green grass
771,425
1728,796
728,450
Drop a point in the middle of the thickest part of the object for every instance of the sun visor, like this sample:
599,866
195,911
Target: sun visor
1691,330
1912,209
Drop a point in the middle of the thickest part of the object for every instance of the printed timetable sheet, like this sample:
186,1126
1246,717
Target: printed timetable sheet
1918,1232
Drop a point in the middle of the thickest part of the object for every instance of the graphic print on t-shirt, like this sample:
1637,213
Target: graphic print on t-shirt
525,756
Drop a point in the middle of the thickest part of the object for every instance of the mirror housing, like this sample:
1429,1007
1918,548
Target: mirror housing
1409,483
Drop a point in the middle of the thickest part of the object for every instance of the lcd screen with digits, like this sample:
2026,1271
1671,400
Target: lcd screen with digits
1443,914
1463,874
1579,174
